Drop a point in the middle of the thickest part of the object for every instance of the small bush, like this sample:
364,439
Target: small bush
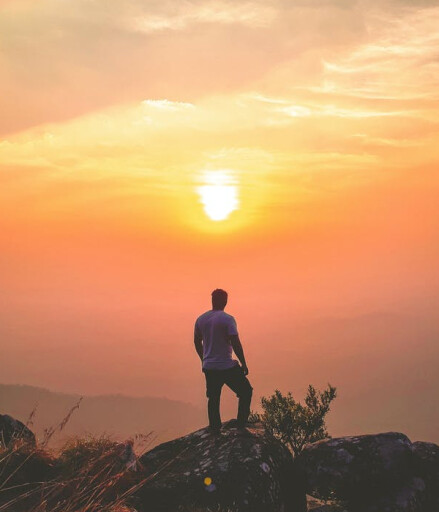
296,424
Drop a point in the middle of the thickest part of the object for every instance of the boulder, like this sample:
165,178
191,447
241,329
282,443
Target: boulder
351,467
426,461
407,497
426,466
11,429
245,471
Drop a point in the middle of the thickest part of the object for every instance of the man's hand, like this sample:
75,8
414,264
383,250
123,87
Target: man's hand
198,342
239,351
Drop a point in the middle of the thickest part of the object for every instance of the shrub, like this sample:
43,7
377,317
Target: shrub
296,424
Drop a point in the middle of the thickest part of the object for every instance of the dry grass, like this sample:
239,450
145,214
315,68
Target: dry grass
89,474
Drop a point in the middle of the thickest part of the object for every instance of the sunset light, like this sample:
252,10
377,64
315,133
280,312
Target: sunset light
219,195
284,151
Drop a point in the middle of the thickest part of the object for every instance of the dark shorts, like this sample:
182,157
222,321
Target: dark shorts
233,377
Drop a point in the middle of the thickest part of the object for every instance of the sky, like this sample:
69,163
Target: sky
285,151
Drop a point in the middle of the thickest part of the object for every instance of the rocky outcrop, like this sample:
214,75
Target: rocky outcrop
11,429
407,496
349,466
374,473
426,465
240,471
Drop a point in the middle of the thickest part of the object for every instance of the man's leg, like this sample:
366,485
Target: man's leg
238,382
214,383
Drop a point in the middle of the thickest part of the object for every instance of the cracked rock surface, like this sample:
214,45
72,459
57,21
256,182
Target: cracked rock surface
236,470
373,473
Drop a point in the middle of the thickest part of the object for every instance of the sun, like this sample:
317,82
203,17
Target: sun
219,195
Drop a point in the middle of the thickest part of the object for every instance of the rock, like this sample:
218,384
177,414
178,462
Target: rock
10,429
316,505
410,497
426,466
351,467
426,461
241,471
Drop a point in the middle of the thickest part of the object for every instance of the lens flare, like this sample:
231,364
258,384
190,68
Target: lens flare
219,195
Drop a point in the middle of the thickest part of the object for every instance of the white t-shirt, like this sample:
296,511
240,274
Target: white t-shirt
215,327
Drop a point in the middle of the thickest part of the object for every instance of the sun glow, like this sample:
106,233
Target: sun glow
219,195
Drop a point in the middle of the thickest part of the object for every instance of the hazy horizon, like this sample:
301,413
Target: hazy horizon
287,152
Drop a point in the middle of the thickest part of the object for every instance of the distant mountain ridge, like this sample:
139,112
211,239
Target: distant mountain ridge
117,415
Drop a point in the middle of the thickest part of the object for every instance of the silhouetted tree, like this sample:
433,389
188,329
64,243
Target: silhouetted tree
296,424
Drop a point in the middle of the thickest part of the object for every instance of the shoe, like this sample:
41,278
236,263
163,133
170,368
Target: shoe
234,423
244,432
216,431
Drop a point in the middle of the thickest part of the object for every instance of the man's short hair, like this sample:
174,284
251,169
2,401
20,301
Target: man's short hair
219,297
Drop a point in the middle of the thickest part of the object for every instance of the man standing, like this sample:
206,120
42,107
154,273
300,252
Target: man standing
215,336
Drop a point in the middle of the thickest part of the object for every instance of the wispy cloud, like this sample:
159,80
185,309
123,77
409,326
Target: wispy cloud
168,105
270,77
214,12
400,62
92,55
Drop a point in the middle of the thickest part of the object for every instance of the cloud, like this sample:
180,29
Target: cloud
400,62
63,59
168,105
252,64
213,12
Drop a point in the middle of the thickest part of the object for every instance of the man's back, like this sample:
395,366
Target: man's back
215,339
215,328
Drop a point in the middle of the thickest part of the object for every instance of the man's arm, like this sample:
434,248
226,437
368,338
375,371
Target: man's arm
239,351
198,342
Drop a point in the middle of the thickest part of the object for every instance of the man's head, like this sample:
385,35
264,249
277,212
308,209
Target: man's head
219,299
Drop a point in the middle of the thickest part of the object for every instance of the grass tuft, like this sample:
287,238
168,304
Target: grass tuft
88,474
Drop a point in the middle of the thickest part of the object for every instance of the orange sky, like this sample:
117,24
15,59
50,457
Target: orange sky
308,130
